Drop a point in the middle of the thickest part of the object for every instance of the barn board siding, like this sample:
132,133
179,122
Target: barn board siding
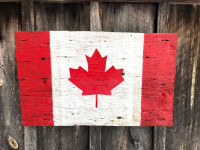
185,20
133,17
10,114
69,17
121,17
149,1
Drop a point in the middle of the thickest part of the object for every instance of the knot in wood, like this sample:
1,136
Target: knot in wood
12,142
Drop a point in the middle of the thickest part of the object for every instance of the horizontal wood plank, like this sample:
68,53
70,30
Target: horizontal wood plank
196,2
10,0
149,1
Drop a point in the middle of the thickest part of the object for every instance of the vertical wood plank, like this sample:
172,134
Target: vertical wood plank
95,16
49,17
79,17
27,15
30,138
48,138
185,134
121,17
30,133
95,25
132,17
11,131
57,16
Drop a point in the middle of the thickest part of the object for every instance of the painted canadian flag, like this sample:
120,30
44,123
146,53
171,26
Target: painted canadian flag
96,78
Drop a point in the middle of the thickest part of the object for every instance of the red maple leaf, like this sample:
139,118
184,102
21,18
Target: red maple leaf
96,80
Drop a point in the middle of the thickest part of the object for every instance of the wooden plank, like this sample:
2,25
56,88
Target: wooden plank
30,138
148,1
95,25
51,16
141,19
95,138
10,0
186,131
11,131
114,17
30,133
27,15
143,1
95,16
62,17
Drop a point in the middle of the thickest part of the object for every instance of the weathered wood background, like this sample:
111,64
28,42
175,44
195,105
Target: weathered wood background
109,16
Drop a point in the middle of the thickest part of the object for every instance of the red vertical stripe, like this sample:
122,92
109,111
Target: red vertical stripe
159,62
34,75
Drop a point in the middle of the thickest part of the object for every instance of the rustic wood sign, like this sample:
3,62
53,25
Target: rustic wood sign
96,78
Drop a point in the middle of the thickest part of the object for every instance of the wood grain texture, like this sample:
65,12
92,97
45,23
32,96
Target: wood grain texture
185,134
10,118
72,17
27,15
141,18
95,16
10,1
147,1
62,17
